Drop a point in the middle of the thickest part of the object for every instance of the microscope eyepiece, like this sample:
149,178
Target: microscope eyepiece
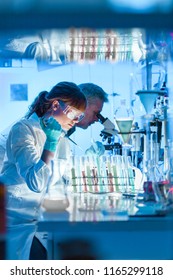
101,118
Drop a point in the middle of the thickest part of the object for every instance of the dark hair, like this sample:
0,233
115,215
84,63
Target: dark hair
67,92
92,91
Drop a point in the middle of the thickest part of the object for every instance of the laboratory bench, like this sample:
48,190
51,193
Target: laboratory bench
108,227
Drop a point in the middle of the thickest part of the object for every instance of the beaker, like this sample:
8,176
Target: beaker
55,198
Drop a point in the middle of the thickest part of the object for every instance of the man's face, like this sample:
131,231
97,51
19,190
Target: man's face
91,113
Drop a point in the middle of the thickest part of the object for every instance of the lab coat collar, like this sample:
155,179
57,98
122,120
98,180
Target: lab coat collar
35,119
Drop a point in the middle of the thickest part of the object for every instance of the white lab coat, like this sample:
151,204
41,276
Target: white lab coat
26,177
3,139
2,150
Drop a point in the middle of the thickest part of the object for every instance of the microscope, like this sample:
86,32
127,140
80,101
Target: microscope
112,141
109,135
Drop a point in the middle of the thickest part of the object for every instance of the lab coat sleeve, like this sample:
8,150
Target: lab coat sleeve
23,148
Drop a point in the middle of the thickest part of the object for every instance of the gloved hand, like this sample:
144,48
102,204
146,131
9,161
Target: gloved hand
97,148
53,130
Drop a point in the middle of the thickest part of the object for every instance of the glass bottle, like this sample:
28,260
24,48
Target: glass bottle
55,198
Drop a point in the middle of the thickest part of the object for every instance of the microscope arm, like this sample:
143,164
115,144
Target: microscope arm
109,127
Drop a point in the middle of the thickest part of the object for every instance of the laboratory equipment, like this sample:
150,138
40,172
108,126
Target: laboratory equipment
148,99
136,144
74,143
109,135
123,117
105,174
148,145
55,198
109,127
154,123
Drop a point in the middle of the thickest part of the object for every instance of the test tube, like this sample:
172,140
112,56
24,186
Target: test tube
99,174
115,173
125,177
131,174
121,175
94,174
110,176
88,173
83,173
104,172
73,174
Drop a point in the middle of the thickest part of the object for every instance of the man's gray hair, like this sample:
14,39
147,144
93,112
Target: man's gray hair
92,91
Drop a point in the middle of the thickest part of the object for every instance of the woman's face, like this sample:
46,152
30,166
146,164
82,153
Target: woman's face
66,115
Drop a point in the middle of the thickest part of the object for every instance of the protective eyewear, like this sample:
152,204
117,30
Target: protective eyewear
71,112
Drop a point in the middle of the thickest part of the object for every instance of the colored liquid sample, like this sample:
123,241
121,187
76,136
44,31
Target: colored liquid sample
124,126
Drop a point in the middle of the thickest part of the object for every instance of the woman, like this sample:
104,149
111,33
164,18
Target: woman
30,149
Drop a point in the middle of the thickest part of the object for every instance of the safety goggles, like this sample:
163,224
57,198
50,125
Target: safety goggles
71,112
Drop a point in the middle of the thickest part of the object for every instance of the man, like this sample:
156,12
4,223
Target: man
96,97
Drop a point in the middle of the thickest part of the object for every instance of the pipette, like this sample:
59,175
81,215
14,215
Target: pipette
74,143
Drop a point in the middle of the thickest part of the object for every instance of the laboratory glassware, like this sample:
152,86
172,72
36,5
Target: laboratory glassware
124,117
55,198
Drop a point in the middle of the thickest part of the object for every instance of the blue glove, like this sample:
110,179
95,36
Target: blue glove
53,130
97,148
